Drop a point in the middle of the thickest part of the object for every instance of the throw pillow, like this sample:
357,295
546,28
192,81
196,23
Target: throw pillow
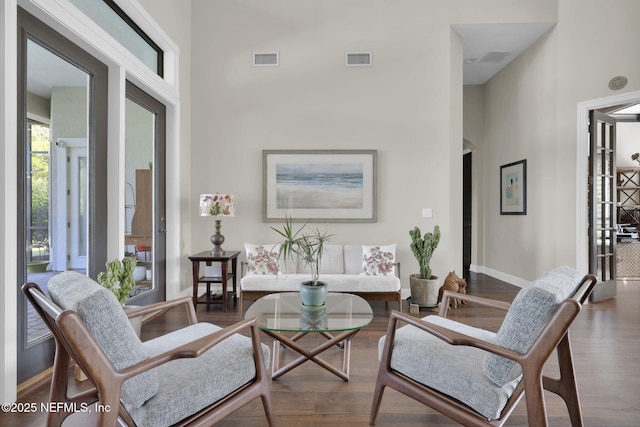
262,259
378,260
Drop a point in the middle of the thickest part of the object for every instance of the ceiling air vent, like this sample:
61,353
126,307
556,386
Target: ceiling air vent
358,59
266,59
495,56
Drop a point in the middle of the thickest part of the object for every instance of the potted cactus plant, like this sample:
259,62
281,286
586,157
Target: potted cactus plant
424,285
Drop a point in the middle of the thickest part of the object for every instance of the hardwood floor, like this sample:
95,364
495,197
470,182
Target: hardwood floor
606,345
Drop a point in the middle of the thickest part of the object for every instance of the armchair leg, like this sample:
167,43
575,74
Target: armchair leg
566,386
377,398
534,396
58,391
266,404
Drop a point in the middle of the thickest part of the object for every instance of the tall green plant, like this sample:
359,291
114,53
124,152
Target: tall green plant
423,247
120,273
309,247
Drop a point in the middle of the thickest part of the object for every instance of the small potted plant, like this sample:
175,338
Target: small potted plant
424,286
119,278
308,247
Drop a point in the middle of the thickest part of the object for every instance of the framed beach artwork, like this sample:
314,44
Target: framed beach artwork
513,188
319,185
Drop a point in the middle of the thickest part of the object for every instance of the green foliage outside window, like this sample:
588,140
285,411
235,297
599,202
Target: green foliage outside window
40,190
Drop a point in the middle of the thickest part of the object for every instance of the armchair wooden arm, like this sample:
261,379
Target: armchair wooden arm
152,311
447,335
486,302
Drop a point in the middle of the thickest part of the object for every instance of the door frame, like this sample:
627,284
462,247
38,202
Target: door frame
148,102
32,359
582,169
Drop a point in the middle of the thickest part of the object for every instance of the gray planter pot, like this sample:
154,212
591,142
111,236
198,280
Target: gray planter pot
424,292
313,296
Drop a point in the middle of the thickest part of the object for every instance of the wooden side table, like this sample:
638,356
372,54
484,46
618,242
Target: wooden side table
224,258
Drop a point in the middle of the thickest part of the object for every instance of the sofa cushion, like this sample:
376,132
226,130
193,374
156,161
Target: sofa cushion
352,259
262,259
378,260
530,311
453,370
332,261
220,371
336,283
105,319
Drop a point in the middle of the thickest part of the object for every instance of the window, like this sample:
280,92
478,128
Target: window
108,15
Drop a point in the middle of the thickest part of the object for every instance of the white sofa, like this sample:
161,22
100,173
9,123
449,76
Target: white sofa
368,271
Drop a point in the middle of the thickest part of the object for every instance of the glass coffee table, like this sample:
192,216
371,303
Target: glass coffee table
342,316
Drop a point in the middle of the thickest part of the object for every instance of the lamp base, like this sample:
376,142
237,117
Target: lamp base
217,239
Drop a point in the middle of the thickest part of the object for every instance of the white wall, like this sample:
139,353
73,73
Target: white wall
530,113
402,107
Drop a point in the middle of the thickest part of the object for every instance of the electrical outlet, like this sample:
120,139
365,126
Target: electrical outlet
427,213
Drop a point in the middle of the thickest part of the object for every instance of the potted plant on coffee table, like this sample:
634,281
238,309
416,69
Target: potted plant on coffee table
424,286
308,248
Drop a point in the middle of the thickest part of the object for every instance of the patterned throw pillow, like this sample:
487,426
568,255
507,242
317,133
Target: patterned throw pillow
378,260
261,259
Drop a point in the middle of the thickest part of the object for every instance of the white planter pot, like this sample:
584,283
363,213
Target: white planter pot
138,273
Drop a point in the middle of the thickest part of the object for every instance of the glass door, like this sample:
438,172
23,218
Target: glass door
602,203
145,224
62,140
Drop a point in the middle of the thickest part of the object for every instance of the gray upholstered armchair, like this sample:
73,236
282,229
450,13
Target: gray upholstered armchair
196,375
476,377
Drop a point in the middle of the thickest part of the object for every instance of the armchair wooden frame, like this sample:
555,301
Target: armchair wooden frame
74,342
554,336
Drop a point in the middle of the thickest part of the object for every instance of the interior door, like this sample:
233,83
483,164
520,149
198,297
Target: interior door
62,93
602,203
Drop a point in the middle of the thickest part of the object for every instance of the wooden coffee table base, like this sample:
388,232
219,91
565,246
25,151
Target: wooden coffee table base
343,340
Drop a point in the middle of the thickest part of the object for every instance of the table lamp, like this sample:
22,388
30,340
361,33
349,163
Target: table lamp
218,206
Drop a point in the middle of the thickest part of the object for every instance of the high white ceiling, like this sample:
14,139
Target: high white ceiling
488,48
46,70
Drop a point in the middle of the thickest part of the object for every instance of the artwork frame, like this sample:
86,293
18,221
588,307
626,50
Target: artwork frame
319,185
513,188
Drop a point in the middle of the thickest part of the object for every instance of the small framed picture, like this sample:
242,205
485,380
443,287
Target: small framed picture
513,188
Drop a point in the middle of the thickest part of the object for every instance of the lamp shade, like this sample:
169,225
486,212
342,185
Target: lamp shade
218,205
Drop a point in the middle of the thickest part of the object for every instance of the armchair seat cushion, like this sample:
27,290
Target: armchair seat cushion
453,370
189,385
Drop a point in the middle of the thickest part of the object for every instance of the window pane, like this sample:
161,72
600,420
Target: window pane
126,32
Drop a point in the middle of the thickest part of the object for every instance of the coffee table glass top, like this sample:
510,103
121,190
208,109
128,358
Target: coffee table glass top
284,312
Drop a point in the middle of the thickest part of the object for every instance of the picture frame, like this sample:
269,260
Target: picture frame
319,185
513,188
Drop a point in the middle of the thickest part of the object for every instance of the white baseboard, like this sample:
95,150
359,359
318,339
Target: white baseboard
513,280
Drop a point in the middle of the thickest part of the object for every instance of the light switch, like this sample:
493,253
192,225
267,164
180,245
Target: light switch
427,213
